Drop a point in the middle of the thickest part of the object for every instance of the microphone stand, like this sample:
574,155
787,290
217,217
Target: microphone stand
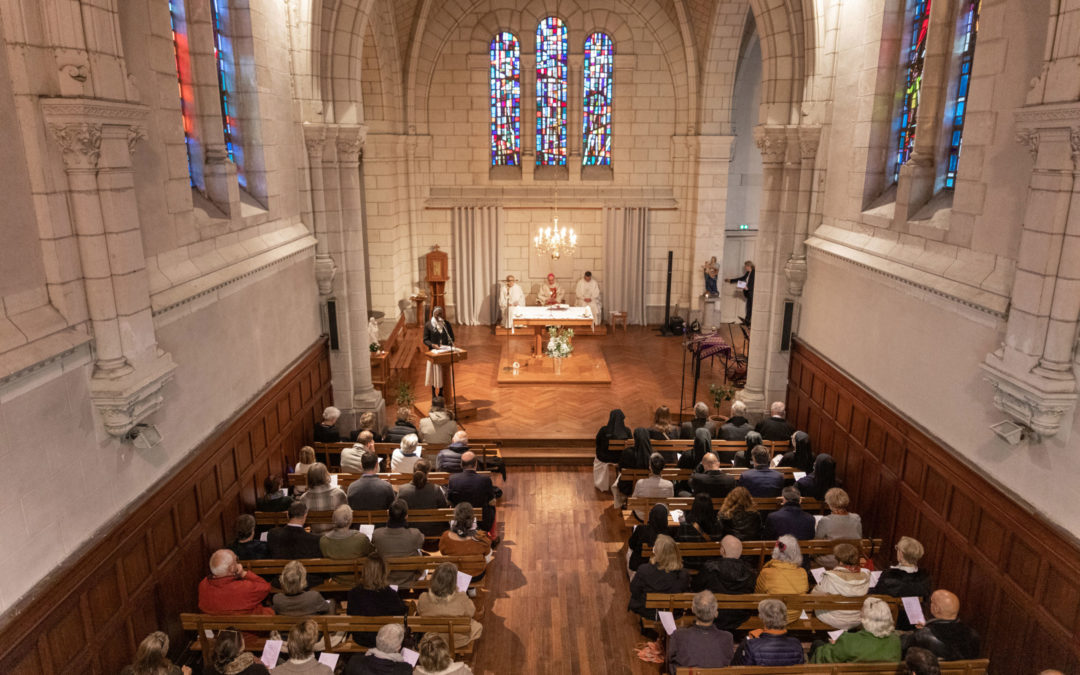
453,385
682,383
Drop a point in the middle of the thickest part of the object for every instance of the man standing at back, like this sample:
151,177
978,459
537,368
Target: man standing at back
369,492
776,427
469,486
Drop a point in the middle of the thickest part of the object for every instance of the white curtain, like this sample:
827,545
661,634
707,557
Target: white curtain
475,241
626,232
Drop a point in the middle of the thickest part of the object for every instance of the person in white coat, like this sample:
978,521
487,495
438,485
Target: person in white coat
587,292
510,295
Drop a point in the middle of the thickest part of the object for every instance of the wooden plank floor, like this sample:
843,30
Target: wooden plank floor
558,589
645,373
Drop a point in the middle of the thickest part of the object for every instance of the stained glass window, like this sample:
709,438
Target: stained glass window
969,28
223,53
596,120
916,55
183,77
551,92
505,100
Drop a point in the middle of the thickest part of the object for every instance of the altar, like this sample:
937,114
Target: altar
539,318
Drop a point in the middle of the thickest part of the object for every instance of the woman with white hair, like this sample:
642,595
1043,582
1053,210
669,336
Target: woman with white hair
326,431
784,574
385,657
405,456
737,426
701,644
877,641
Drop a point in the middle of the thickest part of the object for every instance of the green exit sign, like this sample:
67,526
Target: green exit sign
744,226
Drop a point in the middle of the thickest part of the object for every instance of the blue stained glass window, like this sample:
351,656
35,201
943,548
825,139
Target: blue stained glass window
596,120
916,55
551,92
223,53
505,100
183,77
969,28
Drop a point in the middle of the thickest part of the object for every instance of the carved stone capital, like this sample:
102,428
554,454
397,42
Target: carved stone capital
809,138
314,140
1074,142
325,270
350,143
1025,401
125,401
80,142
795,272
772,141
1029,138
136,133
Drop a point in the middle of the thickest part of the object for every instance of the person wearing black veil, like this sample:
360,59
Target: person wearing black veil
657,524
823,479
692,459
801,456
635,457
615,430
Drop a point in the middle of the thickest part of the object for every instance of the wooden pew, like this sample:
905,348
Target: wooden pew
328,624
973,667
327,567
330,453
763,549
675,474
376,518
645,504
395,479
685,444
808,602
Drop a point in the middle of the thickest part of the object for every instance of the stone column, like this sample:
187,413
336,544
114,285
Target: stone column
772,140
1032,371
795,270
314,140
350,144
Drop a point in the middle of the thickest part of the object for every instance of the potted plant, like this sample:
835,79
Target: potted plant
403,394
720,394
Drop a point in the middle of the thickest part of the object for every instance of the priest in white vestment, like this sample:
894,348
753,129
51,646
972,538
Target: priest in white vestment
510,295
550,293
587,293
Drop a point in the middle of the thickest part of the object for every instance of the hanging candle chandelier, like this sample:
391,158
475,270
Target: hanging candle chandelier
554,241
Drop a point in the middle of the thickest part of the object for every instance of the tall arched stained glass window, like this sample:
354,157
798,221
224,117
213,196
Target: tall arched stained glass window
915,57
183,76
596,120
223,54
969,28
505,100
551,92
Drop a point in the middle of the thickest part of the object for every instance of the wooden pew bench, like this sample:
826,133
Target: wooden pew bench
645,504
377,518
718,446
327,567
675,474
973,667
206,627
682,603
763,549
395,479
330,453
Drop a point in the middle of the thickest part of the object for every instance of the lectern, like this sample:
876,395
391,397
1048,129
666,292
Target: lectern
461,405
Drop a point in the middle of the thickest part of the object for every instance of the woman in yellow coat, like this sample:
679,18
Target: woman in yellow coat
784,574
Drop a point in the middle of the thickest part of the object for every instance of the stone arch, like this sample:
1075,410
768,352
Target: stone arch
721,62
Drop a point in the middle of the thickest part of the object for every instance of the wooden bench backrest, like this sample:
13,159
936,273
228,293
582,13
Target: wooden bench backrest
674,473
269,569
328,624
973,667
645,504
359,517
807,602
324,452
346,479
684,444
763,549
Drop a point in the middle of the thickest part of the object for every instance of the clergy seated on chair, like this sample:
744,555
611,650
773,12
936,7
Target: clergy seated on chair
292,541
944,635
877,641
761,481
231,589
369,492
702,644
771,645
510,295
608,448
654,485
700,421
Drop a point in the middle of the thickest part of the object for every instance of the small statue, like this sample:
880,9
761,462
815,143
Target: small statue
373,334
712,272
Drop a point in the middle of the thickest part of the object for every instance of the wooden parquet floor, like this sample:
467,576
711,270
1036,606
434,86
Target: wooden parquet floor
557,587
645,373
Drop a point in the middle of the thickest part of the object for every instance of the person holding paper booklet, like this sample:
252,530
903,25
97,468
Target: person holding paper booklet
231,658
944,635
905,579
663,573
385,658
302,639
821,480
398,540
246,546
877,641
839,524
746,284
701,644
443,598
343,542
847,579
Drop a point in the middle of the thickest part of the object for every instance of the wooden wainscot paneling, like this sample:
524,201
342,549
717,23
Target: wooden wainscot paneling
1017,576
89,615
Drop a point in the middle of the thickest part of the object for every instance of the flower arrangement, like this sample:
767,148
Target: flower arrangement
558,345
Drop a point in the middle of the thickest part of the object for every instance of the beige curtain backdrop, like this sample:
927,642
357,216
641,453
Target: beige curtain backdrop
626,232
475,241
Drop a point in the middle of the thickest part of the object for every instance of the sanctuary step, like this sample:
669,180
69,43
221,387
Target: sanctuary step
595,331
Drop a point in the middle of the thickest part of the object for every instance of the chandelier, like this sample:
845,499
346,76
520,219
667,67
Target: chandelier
554,241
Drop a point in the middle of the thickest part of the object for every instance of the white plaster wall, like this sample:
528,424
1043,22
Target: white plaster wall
921,354
744,181
67,478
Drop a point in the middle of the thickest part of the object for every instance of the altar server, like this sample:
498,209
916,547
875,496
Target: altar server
510,295
587,293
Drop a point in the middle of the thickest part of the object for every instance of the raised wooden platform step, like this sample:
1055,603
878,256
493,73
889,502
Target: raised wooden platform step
595,331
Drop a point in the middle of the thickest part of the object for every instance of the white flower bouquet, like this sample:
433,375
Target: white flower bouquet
558,345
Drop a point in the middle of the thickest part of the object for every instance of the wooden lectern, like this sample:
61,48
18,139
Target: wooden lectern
437,267
461,406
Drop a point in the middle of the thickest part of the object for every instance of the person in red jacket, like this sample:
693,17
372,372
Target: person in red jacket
230,589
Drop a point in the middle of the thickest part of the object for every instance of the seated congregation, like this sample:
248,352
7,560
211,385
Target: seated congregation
700,586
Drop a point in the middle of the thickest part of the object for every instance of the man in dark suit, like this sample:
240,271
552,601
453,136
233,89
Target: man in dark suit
701,419
790,518
776,428
469,486
761,481
291,541
369,492
713,481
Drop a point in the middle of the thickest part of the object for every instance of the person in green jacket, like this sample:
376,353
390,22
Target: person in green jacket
877,641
